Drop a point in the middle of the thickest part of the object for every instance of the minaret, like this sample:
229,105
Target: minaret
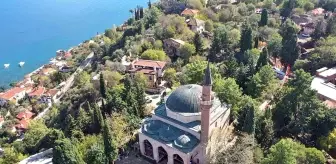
206,105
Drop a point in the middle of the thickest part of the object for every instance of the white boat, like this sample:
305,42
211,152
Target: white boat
21,64
6,65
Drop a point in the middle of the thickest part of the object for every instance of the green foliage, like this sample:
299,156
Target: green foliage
263,82
274,45
308,6
264,129
11,156
228,91
170,76
36,131
111,78
110,146
154,55
199,43
86,143
320,30
246,38
286,151
102,85
328,142
152,16
331,26
187,50
264,18
263,59
48,141
246,118
82,79
208,26
290,50
195,4
66,153
194,72
95,155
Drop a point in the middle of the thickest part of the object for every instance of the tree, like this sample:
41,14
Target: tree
208,26
282,152
286,151
220,46
228,91
152,16
187,50
246,38
82,79
290,50
287,8
170,76
154,55
49,140
95,155
264,18
195,4
308,6
10,155
140,99
328,142
246,118
263,59
274,45
66,153
331,26
149,4
97,118
102,85
320,30
199,43
194,72
112,78
35,132
110,148
264,129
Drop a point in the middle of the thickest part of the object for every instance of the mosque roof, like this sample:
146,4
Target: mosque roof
185,99
170,135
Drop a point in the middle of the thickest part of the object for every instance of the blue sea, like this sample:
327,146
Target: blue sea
32,30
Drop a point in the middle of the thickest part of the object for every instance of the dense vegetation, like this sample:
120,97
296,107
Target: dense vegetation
97,119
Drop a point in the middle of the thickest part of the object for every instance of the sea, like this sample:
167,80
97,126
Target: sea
31,31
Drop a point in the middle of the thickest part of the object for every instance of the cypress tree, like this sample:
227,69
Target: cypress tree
198,42
140,98
97,118
246,38
264,18
256,42
102,86
246,119
141,12
263,59
136,14
110,146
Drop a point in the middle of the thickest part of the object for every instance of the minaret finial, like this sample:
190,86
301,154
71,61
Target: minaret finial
207,77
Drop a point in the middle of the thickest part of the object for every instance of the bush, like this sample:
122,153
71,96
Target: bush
154,55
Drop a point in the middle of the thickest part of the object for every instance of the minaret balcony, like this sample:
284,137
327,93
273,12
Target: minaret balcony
210,102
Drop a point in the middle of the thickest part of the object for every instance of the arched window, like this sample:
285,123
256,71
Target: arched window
163,155
148,149
177,159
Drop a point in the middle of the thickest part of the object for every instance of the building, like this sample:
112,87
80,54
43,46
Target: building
14,94
324,83
23,120
189,12
172,47
152,69
179,130
195,25
50,94
37,92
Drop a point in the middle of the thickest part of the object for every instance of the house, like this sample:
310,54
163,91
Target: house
47,71
189,12
324,83
179,131
62,54
172,46
317,11
22,125
14,94
50,94
301,19
37,92
151,68
195,25
24,115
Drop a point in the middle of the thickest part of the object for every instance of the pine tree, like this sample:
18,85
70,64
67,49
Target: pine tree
246,119
102,86
141,14
290,49
65,152
136,14
97,118
198,42
246,38
263,59
264,18
140,98
110,146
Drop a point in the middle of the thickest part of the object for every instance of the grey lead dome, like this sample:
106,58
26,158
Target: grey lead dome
185,99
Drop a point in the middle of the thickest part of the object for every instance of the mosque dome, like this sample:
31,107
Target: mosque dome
185,99
184,142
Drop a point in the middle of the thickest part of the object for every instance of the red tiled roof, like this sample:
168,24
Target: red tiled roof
318,11
8,95
37,91
150,63
330,104
25,115
188,11
67,55
23,124
51,92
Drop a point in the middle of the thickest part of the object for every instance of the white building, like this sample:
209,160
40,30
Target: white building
325,84
179,130
14,94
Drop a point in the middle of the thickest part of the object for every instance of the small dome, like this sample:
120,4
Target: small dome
185,99
183,141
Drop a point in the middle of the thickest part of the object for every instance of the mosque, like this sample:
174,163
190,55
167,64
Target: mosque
179,130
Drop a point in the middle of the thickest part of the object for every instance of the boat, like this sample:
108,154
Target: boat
6,65
21,64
